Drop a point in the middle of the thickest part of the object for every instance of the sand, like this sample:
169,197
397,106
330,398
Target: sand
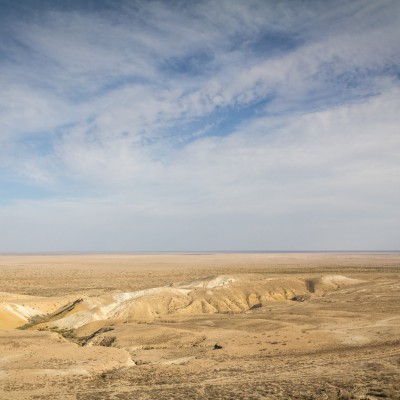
200,326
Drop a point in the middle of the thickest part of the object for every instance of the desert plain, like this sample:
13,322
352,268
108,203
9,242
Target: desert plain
200,326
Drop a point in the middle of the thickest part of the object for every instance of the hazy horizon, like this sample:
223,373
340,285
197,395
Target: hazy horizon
168,126
193,252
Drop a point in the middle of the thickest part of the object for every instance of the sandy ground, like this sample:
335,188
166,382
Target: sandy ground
200,326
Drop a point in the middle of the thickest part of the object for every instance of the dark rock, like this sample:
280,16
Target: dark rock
301,297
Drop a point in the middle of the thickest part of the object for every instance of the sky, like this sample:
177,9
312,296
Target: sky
199,125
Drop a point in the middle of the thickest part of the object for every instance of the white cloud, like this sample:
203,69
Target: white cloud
331,175
153,112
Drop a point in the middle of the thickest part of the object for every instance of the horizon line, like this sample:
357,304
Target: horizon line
127,252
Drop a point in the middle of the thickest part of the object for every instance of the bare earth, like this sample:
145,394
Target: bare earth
200,326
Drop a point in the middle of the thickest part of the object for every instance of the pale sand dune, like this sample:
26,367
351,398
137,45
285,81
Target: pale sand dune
214,294
305,326
17,310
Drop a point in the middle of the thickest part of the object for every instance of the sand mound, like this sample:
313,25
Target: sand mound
13,315
330,282
141,305
213,294
17,310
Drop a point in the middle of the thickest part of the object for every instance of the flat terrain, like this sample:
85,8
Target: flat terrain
200,326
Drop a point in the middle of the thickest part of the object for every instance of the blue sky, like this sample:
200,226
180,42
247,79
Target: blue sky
201,125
